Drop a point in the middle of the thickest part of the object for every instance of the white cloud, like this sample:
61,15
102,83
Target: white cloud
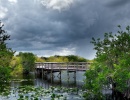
57,4
65,51
48,53
13,1
3,12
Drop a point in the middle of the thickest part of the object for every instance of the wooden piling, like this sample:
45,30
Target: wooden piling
51,72
42,70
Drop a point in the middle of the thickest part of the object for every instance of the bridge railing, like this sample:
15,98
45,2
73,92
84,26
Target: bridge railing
67,65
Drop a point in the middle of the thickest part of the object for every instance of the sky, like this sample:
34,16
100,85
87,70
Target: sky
61,27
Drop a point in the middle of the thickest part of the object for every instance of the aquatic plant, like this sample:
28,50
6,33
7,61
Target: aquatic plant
39,93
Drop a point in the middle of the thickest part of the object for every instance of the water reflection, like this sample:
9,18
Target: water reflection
22,80
65,81
35,80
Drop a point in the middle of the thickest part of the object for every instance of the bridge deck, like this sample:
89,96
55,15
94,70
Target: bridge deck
55,66
63,68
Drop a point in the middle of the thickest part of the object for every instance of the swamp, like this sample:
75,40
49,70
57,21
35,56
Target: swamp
33,87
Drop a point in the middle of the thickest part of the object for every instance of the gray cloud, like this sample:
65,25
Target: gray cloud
116,3
47,31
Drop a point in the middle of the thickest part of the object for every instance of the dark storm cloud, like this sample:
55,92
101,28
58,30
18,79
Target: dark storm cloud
117,3
45,30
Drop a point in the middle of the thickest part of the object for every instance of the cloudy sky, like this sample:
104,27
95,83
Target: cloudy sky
61,27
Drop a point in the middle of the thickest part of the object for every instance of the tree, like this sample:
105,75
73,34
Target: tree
27,61
111,66
5,52
57,58
69,58
39,59
16,66
5,56
74,58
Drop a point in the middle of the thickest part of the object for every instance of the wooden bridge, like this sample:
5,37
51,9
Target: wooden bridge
45,68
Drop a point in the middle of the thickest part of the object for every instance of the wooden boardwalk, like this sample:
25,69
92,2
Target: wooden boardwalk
45,68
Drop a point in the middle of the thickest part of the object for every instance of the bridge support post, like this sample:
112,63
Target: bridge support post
52,73
42,71
67,73
60,76
75,78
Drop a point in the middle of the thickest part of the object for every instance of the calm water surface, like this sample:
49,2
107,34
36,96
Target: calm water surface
34,80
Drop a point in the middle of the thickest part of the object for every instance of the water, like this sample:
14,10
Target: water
32,79
35,81
64,80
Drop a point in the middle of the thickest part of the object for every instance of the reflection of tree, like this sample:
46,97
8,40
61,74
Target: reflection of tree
28,79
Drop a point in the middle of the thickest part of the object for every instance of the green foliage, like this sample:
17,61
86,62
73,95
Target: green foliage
38,59
4,77
16,66
27,61
57,59
4,74
5,53
73,58
112,63
5,56
70,58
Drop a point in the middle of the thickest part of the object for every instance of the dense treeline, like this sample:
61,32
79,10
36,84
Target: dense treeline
24,62
69,58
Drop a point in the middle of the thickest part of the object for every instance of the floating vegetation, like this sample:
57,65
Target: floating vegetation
20,80
40,93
